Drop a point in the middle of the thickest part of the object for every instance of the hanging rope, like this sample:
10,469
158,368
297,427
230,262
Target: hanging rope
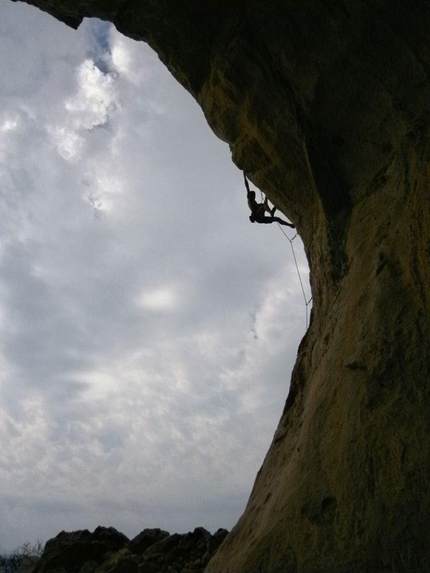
307,301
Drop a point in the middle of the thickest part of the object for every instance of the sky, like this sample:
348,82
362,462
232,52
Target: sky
147,329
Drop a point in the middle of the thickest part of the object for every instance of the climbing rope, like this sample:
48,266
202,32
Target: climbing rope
307,301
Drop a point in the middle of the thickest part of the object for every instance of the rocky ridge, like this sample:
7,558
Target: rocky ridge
106,550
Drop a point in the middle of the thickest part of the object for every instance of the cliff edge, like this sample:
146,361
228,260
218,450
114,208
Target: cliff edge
326,106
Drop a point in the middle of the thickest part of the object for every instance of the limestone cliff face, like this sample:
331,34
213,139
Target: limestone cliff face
326,106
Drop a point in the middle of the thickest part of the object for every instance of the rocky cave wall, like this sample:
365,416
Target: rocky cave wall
325,106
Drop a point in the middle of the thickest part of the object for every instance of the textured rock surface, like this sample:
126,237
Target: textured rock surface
70,550
325,105
108,551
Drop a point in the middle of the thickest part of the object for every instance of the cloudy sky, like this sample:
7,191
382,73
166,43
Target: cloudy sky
147,328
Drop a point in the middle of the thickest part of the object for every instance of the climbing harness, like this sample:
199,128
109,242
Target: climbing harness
307,301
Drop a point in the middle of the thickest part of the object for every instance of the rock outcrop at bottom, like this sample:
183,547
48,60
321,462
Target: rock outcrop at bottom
106,550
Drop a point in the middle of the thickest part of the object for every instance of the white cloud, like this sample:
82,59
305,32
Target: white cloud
147,330
95,100
160,299
121,57
69,144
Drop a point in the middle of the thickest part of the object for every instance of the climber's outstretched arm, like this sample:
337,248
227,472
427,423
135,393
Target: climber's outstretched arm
246,183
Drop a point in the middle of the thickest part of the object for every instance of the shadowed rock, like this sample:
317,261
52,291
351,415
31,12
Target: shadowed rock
145,539
108,551
70,550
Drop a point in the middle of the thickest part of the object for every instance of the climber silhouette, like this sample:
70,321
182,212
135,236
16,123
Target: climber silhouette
258,210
